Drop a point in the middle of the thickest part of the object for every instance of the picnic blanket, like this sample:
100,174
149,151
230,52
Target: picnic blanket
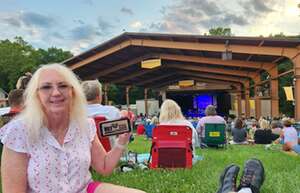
144,157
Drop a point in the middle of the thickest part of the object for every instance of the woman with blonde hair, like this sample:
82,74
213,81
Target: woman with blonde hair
264,135
170,114
52,144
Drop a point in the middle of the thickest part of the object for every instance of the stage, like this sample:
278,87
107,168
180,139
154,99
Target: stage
194,104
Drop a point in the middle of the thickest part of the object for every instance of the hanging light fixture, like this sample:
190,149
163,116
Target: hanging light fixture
152,63
186,83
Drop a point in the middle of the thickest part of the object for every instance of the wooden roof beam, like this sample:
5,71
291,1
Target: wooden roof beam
215,77
141,83
169,82
232,63
101,54
133,75
252,75
245,49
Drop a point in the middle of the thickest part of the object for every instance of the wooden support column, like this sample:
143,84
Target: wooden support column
296,62
257,99
274,92
127,97
239,103
247,97
146,100
105,90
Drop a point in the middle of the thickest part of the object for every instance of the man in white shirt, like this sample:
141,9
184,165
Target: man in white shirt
93,93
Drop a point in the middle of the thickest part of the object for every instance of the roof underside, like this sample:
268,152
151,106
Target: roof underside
183,57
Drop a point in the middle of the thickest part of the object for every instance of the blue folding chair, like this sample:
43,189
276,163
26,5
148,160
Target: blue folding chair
148,130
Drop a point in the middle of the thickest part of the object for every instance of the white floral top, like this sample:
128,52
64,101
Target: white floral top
52,167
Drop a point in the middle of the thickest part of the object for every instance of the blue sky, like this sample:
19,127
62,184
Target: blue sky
78,25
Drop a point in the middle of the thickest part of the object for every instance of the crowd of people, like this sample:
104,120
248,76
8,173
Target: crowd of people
50,135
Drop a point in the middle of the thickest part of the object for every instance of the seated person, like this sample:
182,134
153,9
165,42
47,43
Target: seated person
289,137
93,93
276,127
52,144
211,117
252,178
264,135
15,101
170,114
253,128
239,133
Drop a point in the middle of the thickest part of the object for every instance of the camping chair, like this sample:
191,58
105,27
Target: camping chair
215,134
149,130
104,140
171,147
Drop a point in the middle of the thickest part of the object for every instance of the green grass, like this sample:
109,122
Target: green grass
282,171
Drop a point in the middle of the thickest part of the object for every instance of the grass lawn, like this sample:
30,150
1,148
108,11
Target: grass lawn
282,171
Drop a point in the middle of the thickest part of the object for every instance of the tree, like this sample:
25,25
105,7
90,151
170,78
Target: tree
15,56
52,55
219,31
18,57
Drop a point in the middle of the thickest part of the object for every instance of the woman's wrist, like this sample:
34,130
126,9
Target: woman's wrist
120,146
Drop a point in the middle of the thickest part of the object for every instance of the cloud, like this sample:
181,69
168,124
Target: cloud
38,20
13,21
28,20
189,16
126,11
79,46
256,8
104,26
136,24
79,21
88,2
57,35
84,32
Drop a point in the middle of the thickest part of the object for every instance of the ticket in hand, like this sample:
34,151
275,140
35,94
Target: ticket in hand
114,127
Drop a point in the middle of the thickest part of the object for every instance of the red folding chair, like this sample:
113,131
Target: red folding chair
140,130
171,147
104,140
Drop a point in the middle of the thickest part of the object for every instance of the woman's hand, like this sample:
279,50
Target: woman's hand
124,138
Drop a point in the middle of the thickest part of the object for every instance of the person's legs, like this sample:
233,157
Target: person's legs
253,175
296,148
111,188
245,190
228,179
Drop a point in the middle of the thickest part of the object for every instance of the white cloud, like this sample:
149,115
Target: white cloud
136,24
79,46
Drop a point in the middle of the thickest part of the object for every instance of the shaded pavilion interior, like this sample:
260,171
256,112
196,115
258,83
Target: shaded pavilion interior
194,57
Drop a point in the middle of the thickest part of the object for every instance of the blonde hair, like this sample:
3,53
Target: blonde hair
264,124
170,110
33,114
154,120
287,122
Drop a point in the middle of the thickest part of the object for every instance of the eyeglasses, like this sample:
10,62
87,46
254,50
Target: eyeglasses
48,88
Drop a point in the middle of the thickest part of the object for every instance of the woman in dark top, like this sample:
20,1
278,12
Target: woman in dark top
239,133
264,134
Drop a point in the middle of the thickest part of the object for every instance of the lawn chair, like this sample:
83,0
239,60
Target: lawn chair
215,134
140,130
171,147
104,140
149,130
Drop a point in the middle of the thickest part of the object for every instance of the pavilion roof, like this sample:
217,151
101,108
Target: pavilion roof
183,56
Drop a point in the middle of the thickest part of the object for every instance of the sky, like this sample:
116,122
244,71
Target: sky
78,25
